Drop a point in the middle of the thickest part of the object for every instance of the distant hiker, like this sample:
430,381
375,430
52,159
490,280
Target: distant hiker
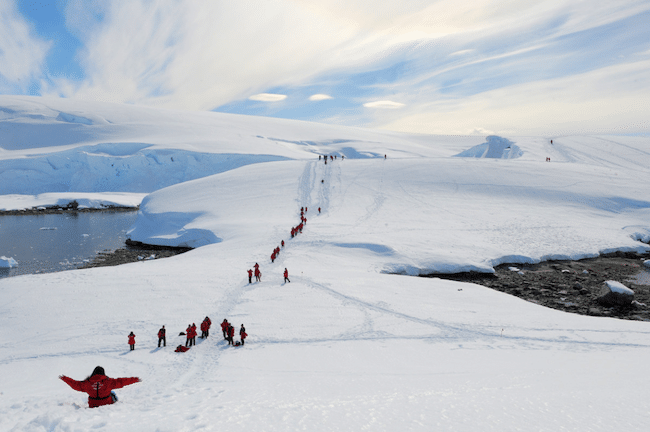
193,334
306,209
318,210
188,335
342,157
209,322
322,181
181,348
325,160
282,243
302,209
319,157
224,328
273,257
162,336
204,329
258,274
231,334
99,387
551,141
334,156
384,156
132,341
331,157
250,276
242,334
286,275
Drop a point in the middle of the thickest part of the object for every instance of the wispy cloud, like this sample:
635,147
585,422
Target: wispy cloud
22,53
268,97
444,61
319,97
383,104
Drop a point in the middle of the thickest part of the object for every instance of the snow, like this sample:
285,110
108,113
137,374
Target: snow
352,342
618,287
6,262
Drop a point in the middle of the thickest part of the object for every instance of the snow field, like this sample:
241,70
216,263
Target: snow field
345,345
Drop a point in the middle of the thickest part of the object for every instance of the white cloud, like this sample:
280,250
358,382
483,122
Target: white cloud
22,54
608,100
319,97
200,55
268,97
383,104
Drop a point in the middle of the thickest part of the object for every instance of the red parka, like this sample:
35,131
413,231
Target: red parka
99,387
131,339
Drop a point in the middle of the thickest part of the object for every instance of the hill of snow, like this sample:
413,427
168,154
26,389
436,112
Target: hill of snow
347,344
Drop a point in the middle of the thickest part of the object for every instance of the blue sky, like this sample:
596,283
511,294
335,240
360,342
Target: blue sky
546,67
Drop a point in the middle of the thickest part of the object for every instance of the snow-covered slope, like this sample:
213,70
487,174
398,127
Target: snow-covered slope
344,345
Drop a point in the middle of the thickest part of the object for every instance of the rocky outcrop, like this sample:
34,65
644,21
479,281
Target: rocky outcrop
615,294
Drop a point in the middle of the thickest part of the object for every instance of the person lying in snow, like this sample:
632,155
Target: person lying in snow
181,348
99,387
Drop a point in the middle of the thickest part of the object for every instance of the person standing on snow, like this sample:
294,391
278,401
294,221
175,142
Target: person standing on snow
286,276
250,276
188,335
99,387
224,328
204,327
193,342
242,334
132,341
231,334
282,243
208,321
162,336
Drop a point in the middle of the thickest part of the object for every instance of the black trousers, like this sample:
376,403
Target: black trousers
163,340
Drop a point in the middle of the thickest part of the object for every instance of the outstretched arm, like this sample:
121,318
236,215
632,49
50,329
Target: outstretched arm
121,382
76,385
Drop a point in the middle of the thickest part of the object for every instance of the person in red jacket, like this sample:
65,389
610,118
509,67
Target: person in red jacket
162,336
282,243
193,341
224,328
242,333
204,329
181,348
99,387
286,275
231,334
208,321
188,335
132,341
250,276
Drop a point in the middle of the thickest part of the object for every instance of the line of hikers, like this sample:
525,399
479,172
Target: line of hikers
190,334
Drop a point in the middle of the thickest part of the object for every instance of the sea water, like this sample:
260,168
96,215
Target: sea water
57,242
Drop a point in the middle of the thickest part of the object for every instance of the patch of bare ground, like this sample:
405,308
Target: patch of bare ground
571,286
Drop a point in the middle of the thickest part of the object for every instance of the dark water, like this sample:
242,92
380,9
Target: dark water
57,242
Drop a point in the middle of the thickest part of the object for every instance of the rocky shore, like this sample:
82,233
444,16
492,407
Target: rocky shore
133,252
572,286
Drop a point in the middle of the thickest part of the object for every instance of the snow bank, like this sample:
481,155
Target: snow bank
495,148
343,346
7,262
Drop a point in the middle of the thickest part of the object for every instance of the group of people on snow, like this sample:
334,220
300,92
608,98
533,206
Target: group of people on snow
229,333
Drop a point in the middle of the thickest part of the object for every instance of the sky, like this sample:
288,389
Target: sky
548,67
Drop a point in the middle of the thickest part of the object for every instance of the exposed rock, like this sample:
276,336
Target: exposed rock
615,294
